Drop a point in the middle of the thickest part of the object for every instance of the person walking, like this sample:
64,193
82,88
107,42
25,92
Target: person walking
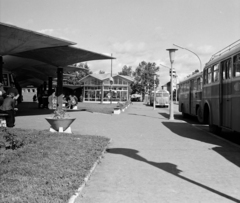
2,94
8,107
15,92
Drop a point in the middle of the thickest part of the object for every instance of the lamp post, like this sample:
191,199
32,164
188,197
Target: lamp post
111,83
191,52
171,56
154,90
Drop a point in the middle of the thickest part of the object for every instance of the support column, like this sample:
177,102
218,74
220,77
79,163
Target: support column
44,86
49,86
59,87
1,69
102,93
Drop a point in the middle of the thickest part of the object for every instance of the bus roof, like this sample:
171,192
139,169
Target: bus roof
224,55
191,77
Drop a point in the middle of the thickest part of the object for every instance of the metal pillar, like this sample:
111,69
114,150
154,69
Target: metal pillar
1,69
59,88
49,86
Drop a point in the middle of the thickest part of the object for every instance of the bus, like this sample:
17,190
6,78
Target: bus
162,98
221,90
190,96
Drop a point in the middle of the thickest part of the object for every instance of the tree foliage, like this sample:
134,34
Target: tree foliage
126,70
101,72
82,73
144,76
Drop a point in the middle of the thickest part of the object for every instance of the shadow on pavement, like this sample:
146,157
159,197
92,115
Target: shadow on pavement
167,167
231,153
31,108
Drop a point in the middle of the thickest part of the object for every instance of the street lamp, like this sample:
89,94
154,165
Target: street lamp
111,83
193,53
154,90
171,56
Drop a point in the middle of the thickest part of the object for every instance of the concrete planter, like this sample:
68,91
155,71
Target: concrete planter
60,125
116,111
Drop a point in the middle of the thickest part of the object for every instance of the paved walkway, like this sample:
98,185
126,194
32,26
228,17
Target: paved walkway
153,160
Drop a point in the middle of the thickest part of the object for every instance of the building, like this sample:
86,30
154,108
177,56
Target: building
97,88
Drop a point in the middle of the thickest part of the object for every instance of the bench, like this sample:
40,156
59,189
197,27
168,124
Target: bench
3,122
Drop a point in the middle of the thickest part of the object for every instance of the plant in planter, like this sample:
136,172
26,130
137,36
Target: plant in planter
60,122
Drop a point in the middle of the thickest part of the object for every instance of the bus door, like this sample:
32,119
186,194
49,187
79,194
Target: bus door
226,107
191,88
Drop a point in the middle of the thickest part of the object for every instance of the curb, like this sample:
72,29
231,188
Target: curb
79,190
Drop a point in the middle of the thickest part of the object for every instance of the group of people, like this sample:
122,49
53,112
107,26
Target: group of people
68,101
8,102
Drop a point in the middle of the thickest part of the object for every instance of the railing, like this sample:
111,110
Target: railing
227,48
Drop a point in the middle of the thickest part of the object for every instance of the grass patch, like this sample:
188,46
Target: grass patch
97,107
39,166
101,108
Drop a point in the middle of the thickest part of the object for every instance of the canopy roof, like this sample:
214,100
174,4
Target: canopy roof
14,40
33,57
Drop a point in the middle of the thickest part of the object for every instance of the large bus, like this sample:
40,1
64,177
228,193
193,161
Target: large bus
162,98
190,95
221,90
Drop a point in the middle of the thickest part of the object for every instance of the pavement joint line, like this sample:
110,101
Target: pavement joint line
197,127
79,190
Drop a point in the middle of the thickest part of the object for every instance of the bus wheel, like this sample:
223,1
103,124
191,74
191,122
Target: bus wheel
215,129
200,115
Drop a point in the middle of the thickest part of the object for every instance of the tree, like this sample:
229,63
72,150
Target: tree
101,72
126,70
82,73
143,78
78,74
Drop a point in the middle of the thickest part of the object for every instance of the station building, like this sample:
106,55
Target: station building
97,88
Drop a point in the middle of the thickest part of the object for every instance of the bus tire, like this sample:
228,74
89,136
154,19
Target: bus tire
200,115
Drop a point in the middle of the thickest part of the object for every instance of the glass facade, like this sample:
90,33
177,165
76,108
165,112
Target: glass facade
93,90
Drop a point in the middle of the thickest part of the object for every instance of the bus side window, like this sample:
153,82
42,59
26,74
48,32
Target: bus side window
236,65
226,69
205,76
216,73
209,75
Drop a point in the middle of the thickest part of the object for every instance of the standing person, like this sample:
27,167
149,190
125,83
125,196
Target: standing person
15,92
39,96
73,101
8,108
2,94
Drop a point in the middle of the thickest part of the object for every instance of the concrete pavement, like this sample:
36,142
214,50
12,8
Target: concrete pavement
152,159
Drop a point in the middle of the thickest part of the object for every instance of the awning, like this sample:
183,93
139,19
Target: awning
14,40
32,72
33,57
62,56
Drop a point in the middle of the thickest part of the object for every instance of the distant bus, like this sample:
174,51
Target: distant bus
190,96
221,90
162,98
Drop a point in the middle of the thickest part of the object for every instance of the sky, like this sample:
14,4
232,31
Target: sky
134,30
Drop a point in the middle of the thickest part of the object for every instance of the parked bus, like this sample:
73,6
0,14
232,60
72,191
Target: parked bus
162,98
221,90
190,95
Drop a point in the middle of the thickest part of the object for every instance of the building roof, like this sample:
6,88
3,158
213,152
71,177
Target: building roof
36,56
15,39
106,76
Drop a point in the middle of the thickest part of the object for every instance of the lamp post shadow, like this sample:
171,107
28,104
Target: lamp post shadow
167,167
